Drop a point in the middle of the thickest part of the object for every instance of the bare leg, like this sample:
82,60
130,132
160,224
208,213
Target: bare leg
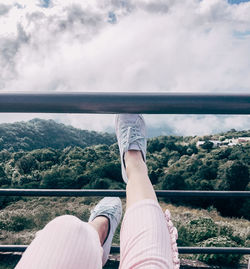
139,186
146,240
101,225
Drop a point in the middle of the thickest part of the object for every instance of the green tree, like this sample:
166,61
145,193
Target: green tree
26,163
4,180
173,181
237,176
208,145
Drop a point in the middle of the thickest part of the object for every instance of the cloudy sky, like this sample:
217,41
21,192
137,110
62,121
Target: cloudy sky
127,45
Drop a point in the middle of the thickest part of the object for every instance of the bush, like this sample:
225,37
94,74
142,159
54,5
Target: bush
235,172
26,163
102,183
19,223
223,259
197,230
208,145
16,222
173,181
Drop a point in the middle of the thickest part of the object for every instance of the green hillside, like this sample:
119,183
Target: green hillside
174,163
37,134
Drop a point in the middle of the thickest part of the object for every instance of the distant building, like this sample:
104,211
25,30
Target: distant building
199,143
243,139
226,142
216,143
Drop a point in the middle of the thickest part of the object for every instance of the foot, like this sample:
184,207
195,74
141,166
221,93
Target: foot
131,135
110,207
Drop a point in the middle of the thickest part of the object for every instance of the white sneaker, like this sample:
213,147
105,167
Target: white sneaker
131,135
111,207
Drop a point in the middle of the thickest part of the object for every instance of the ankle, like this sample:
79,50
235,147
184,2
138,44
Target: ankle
101,225
134,162
133,156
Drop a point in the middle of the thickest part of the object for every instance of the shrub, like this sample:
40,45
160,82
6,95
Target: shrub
19,223
225,259
182,236
235,172
200,229
16,222
173,181
89,200
102,183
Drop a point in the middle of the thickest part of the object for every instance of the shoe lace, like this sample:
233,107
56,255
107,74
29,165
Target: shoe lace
131,135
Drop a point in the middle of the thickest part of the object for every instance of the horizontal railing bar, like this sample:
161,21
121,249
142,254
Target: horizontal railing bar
120,193
111,102
213,250
182,250
203,250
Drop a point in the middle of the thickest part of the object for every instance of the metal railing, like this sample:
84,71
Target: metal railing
181,250
121,193
148,103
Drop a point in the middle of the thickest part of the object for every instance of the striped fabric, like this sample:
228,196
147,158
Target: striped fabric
145,238
68,243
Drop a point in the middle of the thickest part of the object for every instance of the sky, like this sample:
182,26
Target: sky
199,46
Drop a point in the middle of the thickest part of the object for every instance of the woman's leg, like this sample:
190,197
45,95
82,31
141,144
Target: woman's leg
146,239
66,242
139,186
69,243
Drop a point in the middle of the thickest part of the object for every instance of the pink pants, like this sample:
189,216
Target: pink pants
147,239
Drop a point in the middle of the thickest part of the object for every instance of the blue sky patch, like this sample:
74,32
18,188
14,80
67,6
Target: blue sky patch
242,34
44,3
237,1
112,17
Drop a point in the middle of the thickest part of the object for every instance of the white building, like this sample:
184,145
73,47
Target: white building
226,142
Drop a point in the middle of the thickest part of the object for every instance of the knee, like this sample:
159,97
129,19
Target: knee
66,219
64,223
71,228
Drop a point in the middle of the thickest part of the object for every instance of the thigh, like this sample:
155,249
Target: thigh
66,243
147,239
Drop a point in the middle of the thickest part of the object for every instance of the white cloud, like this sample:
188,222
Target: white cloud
195,125
167,46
